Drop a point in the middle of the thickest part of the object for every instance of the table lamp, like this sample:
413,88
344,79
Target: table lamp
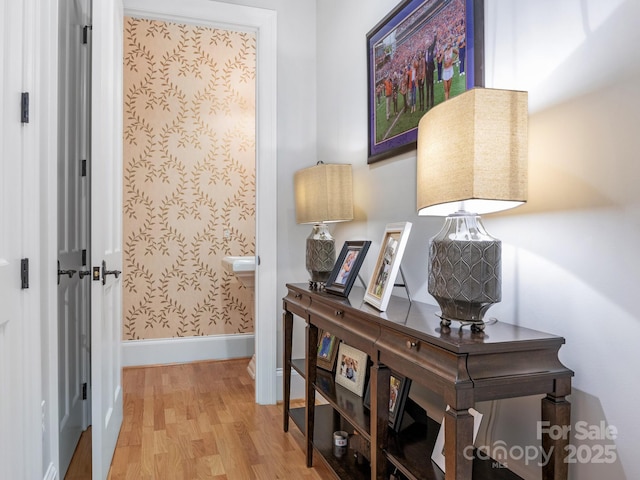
323,194
471,160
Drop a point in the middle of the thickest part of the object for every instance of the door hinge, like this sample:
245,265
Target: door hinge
84,391
84,257
83,168
24,107
24,272
85,34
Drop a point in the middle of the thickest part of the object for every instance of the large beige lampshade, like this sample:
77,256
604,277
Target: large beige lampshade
472,159
473,149
324,194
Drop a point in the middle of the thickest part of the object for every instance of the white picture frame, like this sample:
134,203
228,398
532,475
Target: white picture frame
351,368
438,449
387,264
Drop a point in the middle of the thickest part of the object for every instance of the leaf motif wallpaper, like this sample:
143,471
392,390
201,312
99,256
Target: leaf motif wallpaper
189,178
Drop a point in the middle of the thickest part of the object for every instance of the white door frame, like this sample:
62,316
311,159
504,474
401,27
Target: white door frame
263,23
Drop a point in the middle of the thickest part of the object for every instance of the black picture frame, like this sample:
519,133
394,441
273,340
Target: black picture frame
399,387
346,268
416,29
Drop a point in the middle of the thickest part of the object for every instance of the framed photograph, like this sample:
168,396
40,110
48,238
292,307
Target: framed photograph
325,383
398,392
387,265
438,449
418,56
346,269
351,370
327,350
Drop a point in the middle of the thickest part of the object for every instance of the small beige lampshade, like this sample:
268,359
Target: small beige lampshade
472,153
324,193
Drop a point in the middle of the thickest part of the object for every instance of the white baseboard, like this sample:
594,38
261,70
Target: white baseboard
186,349
51,474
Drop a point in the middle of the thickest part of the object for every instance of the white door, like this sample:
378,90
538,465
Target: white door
73,201
106,231
12,314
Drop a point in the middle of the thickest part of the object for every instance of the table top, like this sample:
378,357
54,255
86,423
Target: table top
420,320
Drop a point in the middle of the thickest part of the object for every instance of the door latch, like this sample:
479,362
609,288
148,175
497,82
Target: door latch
106,272
71,273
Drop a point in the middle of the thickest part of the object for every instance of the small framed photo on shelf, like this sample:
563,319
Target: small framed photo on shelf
351,370
398,392
346,269
326,383
387,265
327,350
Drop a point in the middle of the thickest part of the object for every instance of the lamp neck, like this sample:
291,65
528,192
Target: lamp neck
463,213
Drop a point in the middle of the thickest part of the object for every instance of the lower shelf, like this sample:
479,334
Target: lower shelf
410,452
346,467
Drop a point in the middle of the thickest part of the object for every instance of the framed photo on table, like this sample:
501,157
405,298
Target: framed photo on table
398,392
351,370
327,350
420,54
347,266
387,265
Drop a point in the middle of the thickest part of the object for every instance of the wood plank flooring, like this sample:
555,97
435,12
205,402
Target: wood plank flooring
200,421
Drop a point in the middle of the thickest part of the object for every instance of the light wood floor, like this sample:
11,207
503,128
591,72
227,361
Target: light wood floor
200,421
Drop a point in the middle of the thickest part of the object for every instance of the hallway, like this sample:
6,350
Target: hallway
200,421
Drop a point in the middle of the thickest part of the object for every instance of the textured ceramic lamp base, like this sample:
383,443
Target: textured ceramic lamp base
465,270
321,255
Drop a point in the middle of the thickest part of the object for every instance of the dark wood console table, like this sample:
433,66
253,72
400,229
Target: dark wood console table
463,367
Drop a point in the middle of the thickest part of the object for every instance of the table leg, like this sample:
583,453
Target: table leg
556,411
379,393
287,328
311,349
458,435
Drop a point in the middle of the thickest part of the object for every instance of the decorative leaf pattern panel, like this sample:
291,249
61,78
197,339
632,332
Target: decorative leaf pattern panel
189,178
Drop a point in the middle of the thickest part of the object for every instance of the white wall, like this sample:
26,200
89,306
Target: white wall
569,255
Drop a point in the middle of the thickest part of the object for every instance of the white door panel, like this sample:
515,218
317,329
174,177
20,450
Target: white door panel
106,230
13,346
73,291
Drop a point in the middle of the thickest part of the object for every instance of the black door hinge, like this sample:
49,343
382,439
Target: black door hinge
84,391
24,107
83,168
24,272
85,34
